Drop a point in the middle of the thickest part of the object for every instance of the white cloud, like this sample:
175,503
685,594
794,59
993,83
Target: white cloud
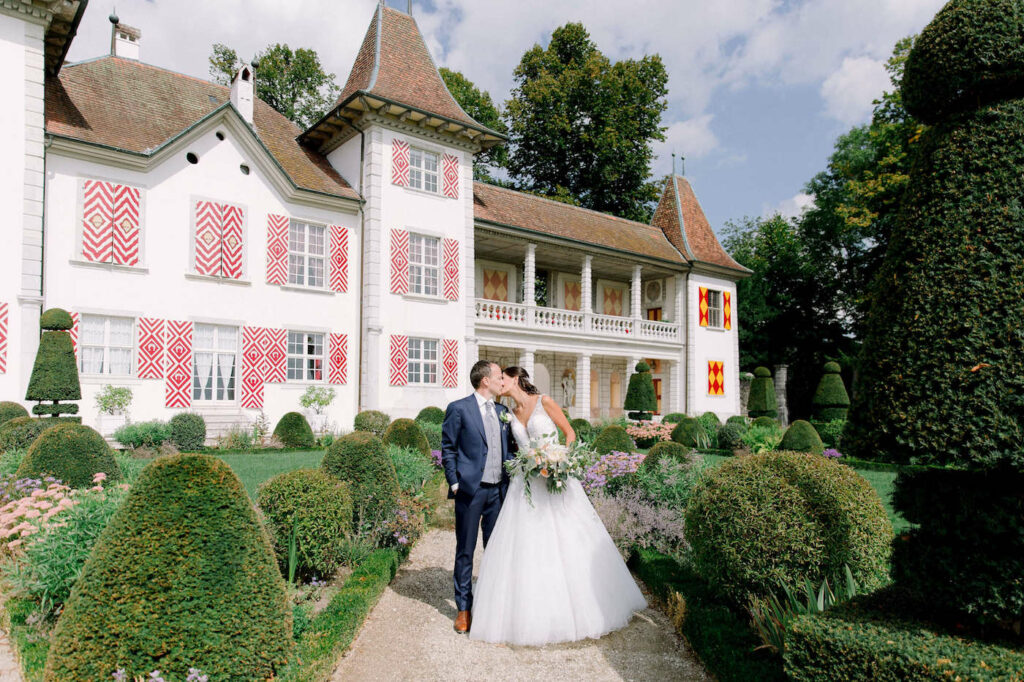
849,91
792,207
692,139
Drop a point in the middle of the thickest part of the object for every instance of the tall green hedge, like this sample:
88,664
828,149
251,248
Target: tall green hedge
831,400
71,453
183,576
761,402
641,399
407,434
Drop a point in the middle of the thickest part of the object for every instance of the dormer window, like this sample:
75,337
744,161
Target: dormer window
423,167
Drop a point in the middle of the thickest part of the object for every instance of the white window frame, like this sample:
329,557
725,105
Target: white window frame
307,360
421,271
420,176
106,346
423,371
715,312
232,384
302,275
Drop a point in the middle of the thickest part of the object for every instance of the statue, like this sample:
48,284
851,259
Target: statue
568,388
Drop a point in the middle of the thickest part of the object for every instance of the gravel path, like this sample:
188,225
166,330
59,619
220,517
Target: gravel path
9,669
408,636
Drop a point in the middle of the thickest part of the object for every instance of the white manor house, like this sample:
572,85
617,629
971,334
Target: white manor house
218,259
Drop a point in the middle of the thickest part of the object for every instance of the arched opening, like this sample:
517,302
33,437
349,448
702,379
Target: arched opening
542,378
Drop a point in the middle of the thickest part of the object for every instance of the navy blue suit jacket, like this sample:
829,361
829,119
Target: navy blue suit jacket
464,444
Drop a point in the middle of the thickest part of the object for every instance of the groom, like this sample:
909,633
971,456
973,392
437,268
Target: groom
476,440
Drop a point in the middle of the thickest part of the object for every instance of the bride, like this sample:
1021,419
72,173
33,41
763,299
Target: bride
551,573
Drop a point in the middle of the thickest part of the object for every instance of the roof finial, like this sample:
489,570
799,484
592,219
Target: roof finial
682,164
673,162
410,8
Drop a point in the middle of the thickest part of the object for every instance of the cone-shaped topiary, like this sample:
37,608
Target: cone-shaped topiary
762,395
294,431
55,372
431,415
71,453
188,431
690,433
361,459
802,437
407,434
831,400
9,411
640,395
183,576
668,449
613,439
373,422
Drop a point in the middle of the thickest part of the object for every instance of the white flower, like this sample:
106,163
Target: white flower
505,417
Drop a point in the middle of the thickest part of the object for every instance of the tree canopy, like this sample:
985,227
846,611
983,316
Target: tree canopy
478,104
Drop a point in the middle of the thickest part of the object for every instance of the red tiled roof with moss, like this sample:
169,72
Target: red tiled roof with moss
683,222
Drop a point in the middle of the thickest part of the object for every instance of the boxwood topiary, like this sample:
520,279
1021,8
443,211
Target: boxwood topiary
183,576
188,431
830,399
690,433
294,431
431,415
72,453
730,436
20,432
583,429
762,520
761,402
9,411
767,422
673,417
613,438
801,437
373,422
641,399
55,371
406,433
361,459
667,448
317,508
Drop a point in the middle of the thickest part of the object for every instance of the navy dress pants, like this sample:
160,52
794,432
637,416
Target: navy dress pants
473,513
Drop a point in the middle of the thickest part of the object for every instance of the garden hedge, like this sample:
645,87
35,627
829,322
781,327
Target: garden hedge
689,433
613,438
71,453
20,432
372,421
183,576
667,448
294,431
831,400
55,371
406,433
765,421
801,437
361,459
431,415
761,402
738,419
9,411
673,418
730,436
188,431
583,429
641,399
763,520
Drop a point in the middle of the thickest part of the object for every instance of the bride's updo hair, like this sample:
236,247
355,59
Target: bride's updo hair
523,378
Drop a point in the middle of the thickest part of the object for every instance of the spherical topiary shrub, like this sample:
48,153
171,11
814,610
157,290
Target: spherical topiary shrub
690,433
730,436
406,433
641,398
831,400
668,449
802,437
373,422
294,431
9,411
583,429
361,459
761,402
72,453
317,508
779,517
183,576
431,415
613,439
188,431
673,418
20,432
767,422
738,419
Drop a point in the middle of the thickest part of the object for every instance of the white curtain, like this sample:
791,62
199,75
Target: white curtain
204,375
225,383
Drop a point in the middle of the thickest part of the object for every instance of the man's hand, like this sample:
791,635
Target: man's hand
455,488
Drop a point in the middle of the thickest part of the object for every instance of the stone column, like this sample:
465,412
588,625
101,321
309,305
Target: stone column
677,387
530,276
582,409
586,285
526,362
635,306
745,380
780,393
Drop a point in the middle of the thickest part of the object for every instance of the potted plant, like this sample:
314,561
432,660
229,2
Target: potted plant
113,403
316,399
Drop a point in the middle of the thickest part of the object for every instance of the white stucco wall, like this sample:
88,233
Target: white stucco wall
706,343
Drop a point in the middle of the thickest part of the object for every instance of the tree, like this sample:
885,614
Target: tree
582,125
292,82
478,104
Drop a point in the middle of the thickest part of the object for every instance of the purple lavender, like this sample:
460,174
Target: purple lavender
436,456
832,453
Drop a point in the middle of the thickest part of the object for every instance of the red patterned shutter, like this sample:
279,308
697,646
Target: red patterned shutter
151,348
179,364
339,258
253,366
451,176
451,269
3,338
702,307
232,241
209,234
73,332
399,360
337,368
450,363
126,227
277,249
276,356
97,221
716,378
399,261
400,163
727,309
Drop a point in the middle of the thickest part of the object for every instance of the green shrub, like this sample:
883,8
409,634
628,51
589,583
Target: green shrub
673,417
766,422
184,575
641,400
730,436
584,431
55,372
760,521
433,434
761,402
831,432
613,439
72,453
188,431
361,459
667,449
317,509
710,422
431,415
801,437
405,433
293,431
10,460
373,422
668,481
9,411
151,434
739,420
114,399
412,468
830,399
690,433
20,432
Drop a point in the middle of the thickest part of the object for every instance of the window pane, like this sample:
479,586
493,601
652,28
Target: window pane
296,269
92,330
227,338
430,249
295,368
296,236
316,240
430,182
120,361
121,332
316,272
203,336
92,360
430,162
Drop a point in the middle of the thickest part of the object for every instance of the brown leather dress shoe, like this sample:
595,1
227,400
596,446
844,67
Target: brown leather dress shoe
462,621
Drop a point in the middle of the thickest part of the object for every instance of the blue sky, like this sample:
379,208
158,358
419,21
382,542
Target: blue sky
758,89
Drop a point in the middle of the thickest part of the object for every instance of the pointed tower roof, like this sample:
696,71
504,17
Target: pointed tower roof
394,74
681,218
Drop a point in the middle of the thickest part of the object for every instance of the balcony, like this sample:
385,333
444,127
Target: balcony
519,315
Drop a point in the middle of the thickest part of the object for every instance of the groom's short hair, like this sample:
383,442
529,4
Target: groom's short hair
481,369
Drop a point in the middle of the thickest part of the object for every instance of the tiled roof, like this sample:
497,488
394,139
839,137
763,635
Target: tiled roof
530,212
136,107
681,218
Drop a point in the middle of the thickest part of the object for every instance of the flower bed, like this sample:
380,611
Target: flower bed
646,434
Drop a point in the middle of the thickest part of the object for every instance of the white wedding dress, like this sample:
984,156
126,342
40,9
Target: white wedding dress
550,573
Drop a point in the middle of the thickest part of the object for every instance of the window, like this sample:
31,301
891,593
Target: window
305,356
424,273
422,361
214,361
423,170
714,309
106,345
307,249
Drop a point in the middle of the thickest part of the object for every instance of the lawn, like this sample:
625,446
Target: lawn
254,468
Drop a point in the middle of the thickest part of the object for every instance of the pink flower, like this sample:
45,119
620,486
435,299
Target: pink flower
99,477
32,514
14,544
39,492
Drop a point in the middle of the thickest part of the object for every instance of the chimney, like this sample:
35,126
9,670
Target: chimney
124,39
242,90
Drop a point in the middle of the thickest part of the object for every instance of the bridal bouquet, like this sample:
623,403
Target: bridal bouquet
549,461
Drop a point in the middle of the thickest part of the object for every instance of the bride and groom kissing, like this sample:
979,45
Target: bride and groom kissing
550,572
